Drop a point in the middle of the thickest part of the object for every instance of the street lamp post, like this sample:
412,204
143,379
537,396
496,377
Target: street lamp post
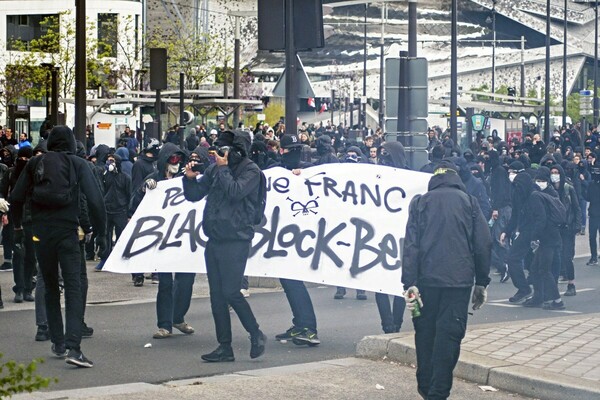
454,72
547,81
595,121
564,82
80,71
363,100
494,46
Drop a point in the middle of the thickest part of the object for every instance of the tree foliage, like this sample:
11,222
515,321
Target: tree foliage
196,55
18,378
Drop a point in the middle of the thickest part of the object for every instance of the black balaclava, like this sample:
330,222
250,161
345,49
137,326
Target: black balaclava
292,158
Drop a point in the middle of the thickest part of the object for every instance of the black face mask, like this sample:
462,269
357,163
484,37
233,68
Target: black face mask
234,157
322,150
386,160
291,159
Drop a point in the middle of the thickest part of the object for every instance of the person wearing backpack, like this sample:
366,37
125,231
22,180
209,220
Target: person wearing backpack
548,215
54,181
231,186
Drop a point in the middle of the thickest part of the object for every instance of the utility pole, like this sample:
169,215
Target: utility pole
454,73
564,82
364,94
236,72
523,90
595,120
80,71
547,83
381,69
494,46
291,65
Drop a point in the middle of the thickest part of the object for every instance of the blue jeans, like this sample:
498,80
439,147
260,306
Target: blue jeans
173,298
303,313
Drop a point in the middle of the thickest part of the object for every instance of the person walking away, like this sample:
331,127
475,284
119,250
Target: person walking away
447,247
55,218
568,232
591,193
231,186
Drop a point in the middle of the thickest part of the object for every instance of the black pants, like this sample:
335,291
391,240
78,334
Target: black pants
391,316
303,312
568,252
7,240
225,265
519,250
83,277
56,247
116,223
438,334
594,227
544,285
24,262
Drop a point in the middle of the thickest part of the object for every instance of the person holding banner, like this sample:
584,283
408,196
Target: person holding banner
174,293
447,246
231,186
304,322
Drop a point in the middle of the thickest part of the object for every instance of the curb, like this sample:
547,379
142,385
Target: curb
483,370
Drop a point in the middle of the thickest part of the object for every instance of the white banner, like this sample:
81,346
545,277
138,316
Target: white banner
335,224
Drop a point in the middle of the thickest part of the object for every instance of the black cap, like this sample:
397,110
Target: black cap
289,141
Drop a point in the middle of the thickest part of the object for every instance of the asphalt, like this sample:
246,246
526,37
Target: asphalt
543,358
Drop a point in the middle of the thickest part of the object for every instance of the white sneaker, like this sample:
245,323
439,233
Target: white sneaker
184,327
161,334
245,292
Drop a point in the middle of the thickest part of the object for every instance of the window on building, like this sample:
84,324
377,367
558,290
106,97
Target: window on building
107,35
22,30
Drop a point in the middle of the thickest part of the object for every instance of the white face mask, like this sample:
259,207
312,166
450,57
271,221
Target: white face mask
111,168
542,185
173,169
555,178
511,176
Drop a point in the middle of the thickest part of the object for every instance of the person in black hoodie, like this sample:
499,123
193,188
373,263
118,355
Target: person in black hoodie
174,292
546,237
447,248
325,151
538,149
591,193
231,187
568,196
117,194
304,322
145,164
391,315
523,225
55,235
501,209
259,154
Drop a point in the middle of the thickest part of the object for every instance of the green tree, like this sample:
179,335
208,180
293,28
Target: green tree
18,378
197,56
57,47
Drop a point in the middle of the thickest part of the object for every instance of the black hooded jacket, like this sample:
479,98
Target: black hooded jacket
142,167
117,189
499,183
396,157
158,174
231,193
61,139
568,196
447,242
325,151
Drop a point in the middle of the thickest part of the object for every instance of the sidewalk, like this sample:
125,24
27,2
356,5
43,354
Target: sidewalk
553,359
348,379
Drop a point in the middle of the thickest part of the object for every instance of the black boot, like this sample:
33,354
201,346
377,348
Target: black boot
340,293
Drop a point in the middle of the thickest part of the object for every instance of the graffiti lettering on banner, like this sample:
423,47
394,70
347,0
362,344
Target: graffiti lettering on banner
337,224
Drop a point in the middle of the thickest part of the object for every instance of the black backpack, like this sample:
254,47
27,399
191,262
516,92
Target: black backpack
54,180
261,202
555,209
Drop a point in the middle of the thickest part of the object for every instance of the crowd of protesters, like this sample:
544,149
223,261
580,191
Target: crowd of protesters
504,177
